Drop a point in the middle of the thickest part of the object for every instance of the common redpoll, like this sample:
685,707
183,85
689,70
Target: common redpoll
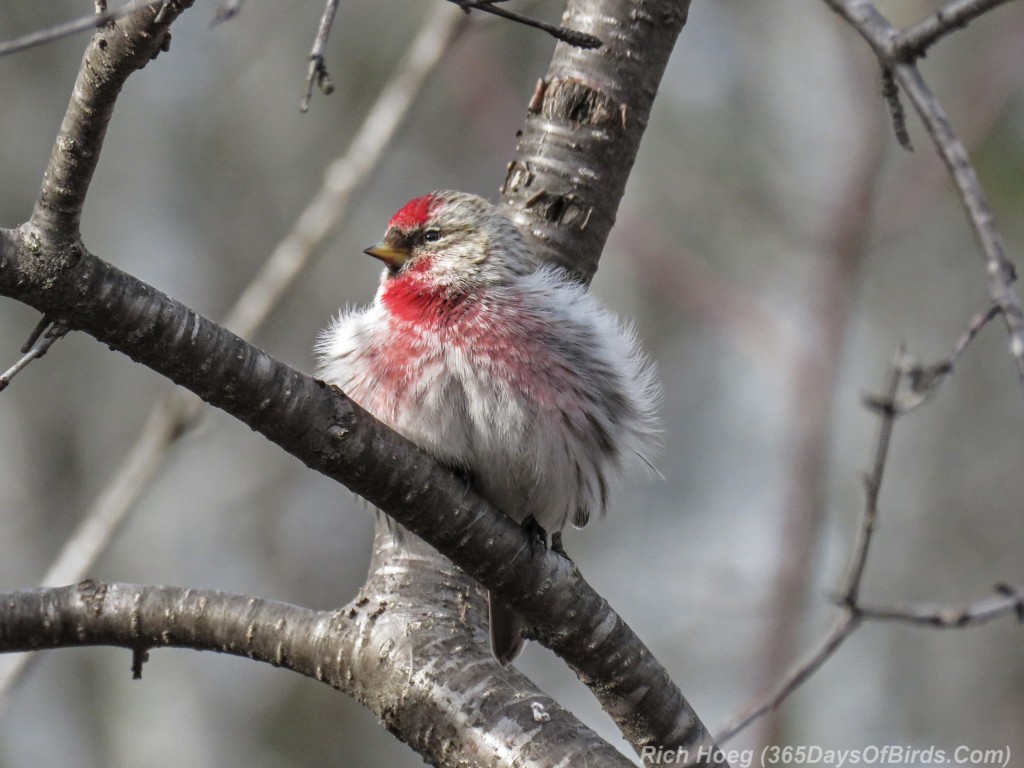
506,371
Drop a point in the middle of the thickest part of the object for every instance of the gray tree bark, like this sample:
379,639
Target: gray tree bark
411,646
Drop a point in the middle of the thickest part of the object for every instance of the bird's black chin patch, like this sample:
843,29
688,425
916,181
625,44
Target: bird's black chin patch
394,270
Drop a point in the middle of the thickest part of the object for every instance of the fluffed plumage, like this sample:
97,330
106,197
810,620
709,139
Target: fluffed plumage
505,370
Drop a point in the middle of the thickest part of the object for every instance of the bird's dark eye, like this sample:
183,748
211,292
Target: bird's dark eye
431,236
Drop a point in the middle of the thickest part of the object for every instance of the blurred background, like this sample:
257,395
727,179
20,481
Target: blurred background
774,248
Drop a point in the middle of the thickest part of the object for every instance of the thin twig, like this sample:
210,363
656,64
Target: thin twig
925,380
36,346
915,40
873,482
1001,272
43,324
570,36
1007,601
317,74
988,84
173,414
68,28
978,322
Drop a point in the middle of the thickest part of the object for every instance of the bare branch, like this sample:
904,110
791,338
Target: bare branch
571,37
989,83
1008,601
925,380
68,28
850,618
978,322
1001,272
42,338
354,649
957,14
317,74
873,484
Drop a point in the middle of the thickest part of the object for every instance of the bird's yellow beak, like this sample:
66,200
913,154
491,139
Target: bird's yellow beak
392,255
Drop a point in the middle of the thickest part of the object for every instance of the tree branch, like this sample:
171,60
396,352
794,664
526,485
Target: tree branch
68,28
355,649
850,619
926,379
317,74
915,40
1009,601
887,414
584,125
1002,274
114,53
43,337
888,44
49,268
568,36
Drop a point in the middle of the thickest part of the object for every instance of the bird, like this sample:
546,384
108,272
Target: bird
505,369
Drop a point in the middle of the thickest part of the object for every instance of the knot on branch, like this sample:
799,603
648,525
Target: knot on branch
92,593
